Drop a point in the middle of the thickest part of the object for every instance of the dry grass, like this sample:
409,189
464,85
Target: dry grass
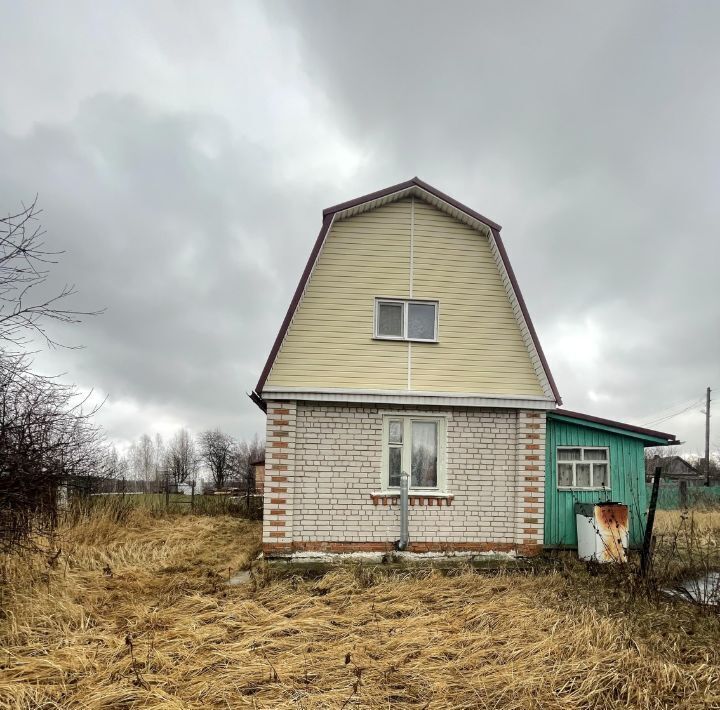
354,638
668,521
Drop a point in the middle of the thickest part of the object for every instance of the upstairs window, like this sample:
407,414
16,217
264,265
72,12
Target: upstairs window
397,319
585,468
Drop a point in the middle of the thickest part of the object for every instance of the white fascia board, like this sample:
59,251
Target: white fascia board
445,399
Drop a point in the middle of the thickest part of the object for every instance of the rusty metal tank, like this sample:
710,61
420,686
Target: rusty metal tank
602,530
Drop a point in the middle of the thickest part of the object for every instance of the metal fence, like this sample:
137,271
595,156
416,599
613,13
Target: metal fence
676,496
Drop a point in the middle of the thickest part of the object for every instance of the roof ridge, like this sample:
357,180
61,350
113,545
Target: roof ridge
407,184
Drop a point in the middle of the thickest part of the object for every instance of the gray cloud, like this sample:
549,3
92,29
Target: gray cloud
183,156
590,133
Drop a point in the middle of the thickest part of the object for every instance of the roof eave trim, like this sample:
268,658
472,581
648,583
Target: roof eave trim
258,400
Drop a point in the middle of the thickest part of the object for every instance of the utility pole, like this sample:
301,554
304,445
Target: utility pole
707,437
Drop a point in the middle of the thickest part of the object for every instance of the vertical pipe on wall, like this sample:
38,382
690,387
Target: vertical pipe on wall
404,537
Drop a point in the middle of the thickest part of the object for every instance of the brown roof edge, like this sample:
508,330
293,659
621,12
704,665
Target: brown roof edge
526,314
670,438
293,304
257,399
328,215
417,182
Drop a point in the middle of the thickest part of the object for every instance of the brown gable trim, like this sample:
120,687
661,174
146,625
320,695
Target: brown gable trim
413,182
327,221
328,215
670,438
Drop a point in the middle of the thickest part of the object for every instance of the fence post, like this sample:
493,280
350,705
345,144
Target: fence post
683,490
192,496
167,492
647,542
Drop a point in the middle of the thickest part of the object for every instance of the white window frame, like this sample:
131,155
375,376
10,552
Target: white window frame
583,449
406,465
405,303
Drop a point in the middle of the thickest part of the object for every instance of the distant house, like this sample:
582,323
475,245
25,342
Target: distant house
674,469
408,349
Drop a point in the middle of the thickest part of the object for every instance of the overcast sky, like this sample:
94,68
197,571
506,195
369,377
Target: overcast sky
183,153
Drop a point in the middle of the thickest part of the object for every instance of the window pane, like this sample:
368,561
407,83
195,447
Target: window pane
390,319
582,475
565,475
568,454
395,461
600,475
594,454
424,455
396,432
421,321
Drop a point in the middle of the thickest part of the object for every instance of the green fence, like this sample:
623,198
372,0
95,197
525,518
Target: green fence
698,496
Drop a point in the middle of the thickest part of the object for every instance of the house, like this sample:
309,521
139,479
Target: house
674,469
408,347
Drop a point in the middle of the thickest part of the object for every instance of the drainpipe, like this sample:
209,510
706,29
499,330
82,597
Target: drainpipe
402,543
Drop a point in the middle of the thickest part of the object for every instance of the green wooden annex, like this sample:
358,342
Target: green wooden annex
591,460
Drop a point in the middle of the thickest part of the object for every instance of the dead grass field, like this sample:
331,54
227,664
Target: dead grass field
138,615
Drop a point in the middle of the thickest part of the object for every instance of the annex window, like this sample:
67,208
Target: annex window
397,319
415,445
583,467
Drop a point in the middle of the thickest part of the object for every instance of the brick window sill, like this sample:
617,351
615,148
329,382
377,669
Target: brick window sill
414,499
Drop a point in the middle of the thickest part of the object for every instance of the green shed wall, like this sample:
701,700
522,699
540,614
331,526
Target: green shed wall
627,480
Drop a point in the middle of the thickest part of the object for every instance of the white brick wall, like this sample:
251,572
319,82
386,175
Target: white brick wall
331,460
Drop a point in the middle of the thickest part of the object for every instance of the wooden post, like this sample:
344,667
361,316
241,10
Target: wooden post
707,437
683,494
192,496
647,541
167,491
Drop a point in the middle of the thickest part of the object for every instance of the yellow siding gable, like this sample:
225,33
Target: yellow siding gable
480,348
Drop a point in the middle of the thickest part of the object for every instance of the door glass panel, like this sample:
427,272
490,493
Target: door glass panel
424,455
565,475
395,461
390,319
421,321
582,475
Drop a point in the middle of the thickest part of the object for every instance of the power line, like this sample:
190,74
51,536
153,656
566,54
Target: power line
660,420
660,413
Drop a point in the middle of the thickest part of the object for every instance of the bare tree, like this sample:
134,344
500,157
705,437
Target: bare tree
143,459
25,305
47,439
181,457
216,449
244,455
160,458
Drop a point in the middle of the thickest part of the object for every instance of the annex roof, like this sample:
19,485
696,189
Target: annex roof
649,435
